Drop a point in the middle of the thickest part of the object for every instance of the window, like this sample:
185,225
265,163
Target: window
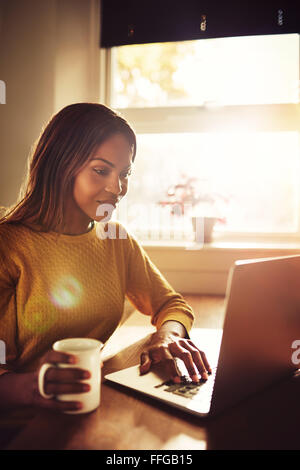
227,71
222,112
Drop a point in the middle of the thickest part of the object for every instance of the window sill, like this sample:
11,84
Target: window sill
220,246
203,269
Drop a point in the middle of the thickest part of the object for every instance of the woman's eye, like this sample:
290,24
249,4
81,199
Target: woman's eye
125,175
101,172
106,172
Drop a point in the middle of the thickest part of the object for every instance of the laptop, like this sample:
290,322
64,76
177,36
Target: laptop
262,320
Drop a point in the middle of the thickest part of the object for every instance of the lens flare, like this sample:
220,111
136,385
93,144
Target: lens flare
66,293
39,318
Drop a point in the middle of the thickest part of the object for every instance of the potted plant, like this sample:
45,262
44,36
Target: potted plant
192,196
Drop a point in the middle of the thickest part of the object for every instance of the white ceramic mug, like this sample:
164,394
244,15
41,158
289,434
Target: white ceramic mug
87,351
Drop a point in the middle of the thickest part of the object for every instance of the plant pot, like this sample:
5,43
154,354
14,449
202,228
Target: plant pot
203,228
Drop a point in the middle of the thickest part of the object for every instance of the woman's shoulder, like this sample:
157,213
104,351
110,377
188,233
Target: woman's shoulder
6,230
9,228
119,234
12,233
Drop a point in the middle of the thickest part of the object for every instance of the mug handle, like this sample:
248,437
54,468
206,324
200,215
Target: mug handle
42,373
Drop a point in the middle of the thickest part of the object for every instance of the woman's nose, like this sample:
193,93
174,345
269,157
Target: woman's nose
114,186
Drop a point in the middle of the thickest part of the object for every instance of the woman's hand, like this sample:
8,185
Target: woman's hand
59,381
165,346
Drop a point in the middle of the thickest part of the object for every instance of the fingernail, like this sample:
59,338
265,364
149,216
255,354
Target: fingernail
176,379
195,378
72,359
204,376
78,405
86,374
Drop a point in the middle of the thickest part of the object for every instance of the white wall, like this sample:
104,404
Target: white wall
49,57
77,54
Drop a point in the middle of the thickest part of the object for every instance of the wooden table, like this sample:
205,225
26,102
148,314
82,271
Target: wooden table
125,420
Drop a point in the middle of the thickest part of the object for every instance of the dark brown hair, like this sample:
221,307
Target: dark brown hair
68,140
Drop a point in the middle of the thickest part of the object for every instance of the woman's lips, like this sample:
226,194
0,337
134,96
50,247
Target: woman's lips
113,203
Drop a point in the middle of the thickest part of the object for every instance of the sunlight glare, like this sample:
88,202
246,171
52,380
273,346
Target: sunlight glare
67,292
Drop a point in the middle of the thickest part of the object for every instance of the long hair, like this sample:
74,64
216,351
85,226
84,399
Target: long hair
67,142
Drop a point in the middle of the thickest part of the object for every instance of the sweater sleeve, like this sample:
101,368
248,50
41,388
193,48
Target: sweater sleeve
8,318
149,291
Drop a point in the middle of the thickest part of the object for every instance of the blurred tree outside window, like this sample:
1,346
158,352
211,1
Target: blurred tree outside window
226,71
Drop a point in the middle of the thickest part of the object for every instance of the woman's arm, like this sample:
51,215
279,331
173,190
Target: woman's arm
173,327
149,291
15,389
151,294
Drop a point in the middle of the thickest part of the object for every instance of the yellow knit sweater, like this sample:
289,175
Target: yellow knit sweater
57,286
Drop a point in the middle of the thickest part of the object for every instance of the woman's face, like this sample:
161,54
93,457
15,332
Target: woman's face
104,178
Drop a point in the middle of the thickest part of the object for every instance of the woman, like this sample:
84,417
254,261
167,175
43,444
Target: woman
62,277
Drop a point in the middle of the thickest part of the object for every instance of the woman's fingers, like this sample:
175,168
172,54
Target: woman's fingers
166,357
57,357
56,388
66,406
55,404
190,342
55,374
206,363
59,381
160,354
194,360
145,363
62,380
199,357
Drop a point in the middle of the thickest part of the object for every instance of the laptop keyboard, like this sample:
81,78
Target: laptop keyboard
191,390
